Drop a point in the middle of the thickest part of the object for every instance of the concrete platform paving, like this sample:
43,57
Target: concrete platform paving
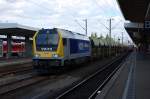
133,82
142,76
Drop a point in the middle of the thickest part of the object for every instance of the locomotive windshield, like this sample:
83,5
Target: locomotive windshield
47,40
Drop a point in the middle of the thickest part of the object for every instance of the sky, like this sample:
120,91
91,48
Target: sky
66,14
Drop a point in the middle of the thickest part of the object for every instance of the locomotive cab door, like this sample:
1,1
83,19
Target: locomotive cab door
65,44
66,52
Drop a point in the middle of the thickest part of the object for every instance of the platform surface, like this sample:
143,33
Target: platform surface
133,82
142,76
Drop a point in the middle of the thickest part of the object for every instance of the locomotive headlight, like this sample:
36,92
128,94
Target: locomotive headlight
54,55
37,55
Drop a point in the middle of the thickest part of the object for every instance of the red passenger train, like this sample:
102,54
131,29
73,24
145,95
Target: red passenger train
18,48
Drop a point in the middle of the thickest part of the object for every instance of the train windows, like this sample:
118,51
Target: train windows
47,39
52,39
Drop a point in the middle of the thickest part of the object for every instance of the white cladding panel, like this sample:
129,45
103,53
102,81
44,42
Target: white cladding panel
73,35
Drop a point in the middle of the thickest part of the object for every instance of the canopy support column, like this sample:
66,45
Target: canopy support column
28,47
9,46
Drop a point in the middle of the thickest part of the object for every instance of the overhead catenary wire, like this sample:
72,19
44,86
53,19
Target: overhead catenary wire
30,17
101,8
80,25
103,24
107,3
116,25
43,7
105,12
96,2
113,7
47,9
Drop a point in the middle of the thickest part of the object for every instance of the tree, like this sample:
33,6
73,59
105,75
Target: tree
101,36
94,34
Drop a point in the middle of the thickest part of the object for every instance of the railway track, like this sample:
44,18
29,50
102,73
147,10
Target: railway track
10,80
20,69
20,84
87,88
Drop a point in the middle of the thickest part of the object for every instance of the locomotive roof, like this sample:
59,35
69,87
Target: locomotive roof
73,35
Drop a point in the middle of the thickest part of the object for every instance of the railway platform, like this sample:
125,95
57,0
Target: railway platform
14,61
131,81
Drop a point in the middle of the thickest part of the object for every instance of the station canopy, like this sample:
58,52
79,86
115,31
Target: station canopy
137,12
15,29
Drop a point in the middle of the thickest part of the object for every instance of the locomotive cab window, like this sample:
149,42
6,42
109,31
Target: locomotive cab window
47,40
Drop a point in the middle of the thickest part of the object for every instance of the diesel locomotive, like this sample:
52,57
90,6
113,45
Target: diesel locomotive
56,48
